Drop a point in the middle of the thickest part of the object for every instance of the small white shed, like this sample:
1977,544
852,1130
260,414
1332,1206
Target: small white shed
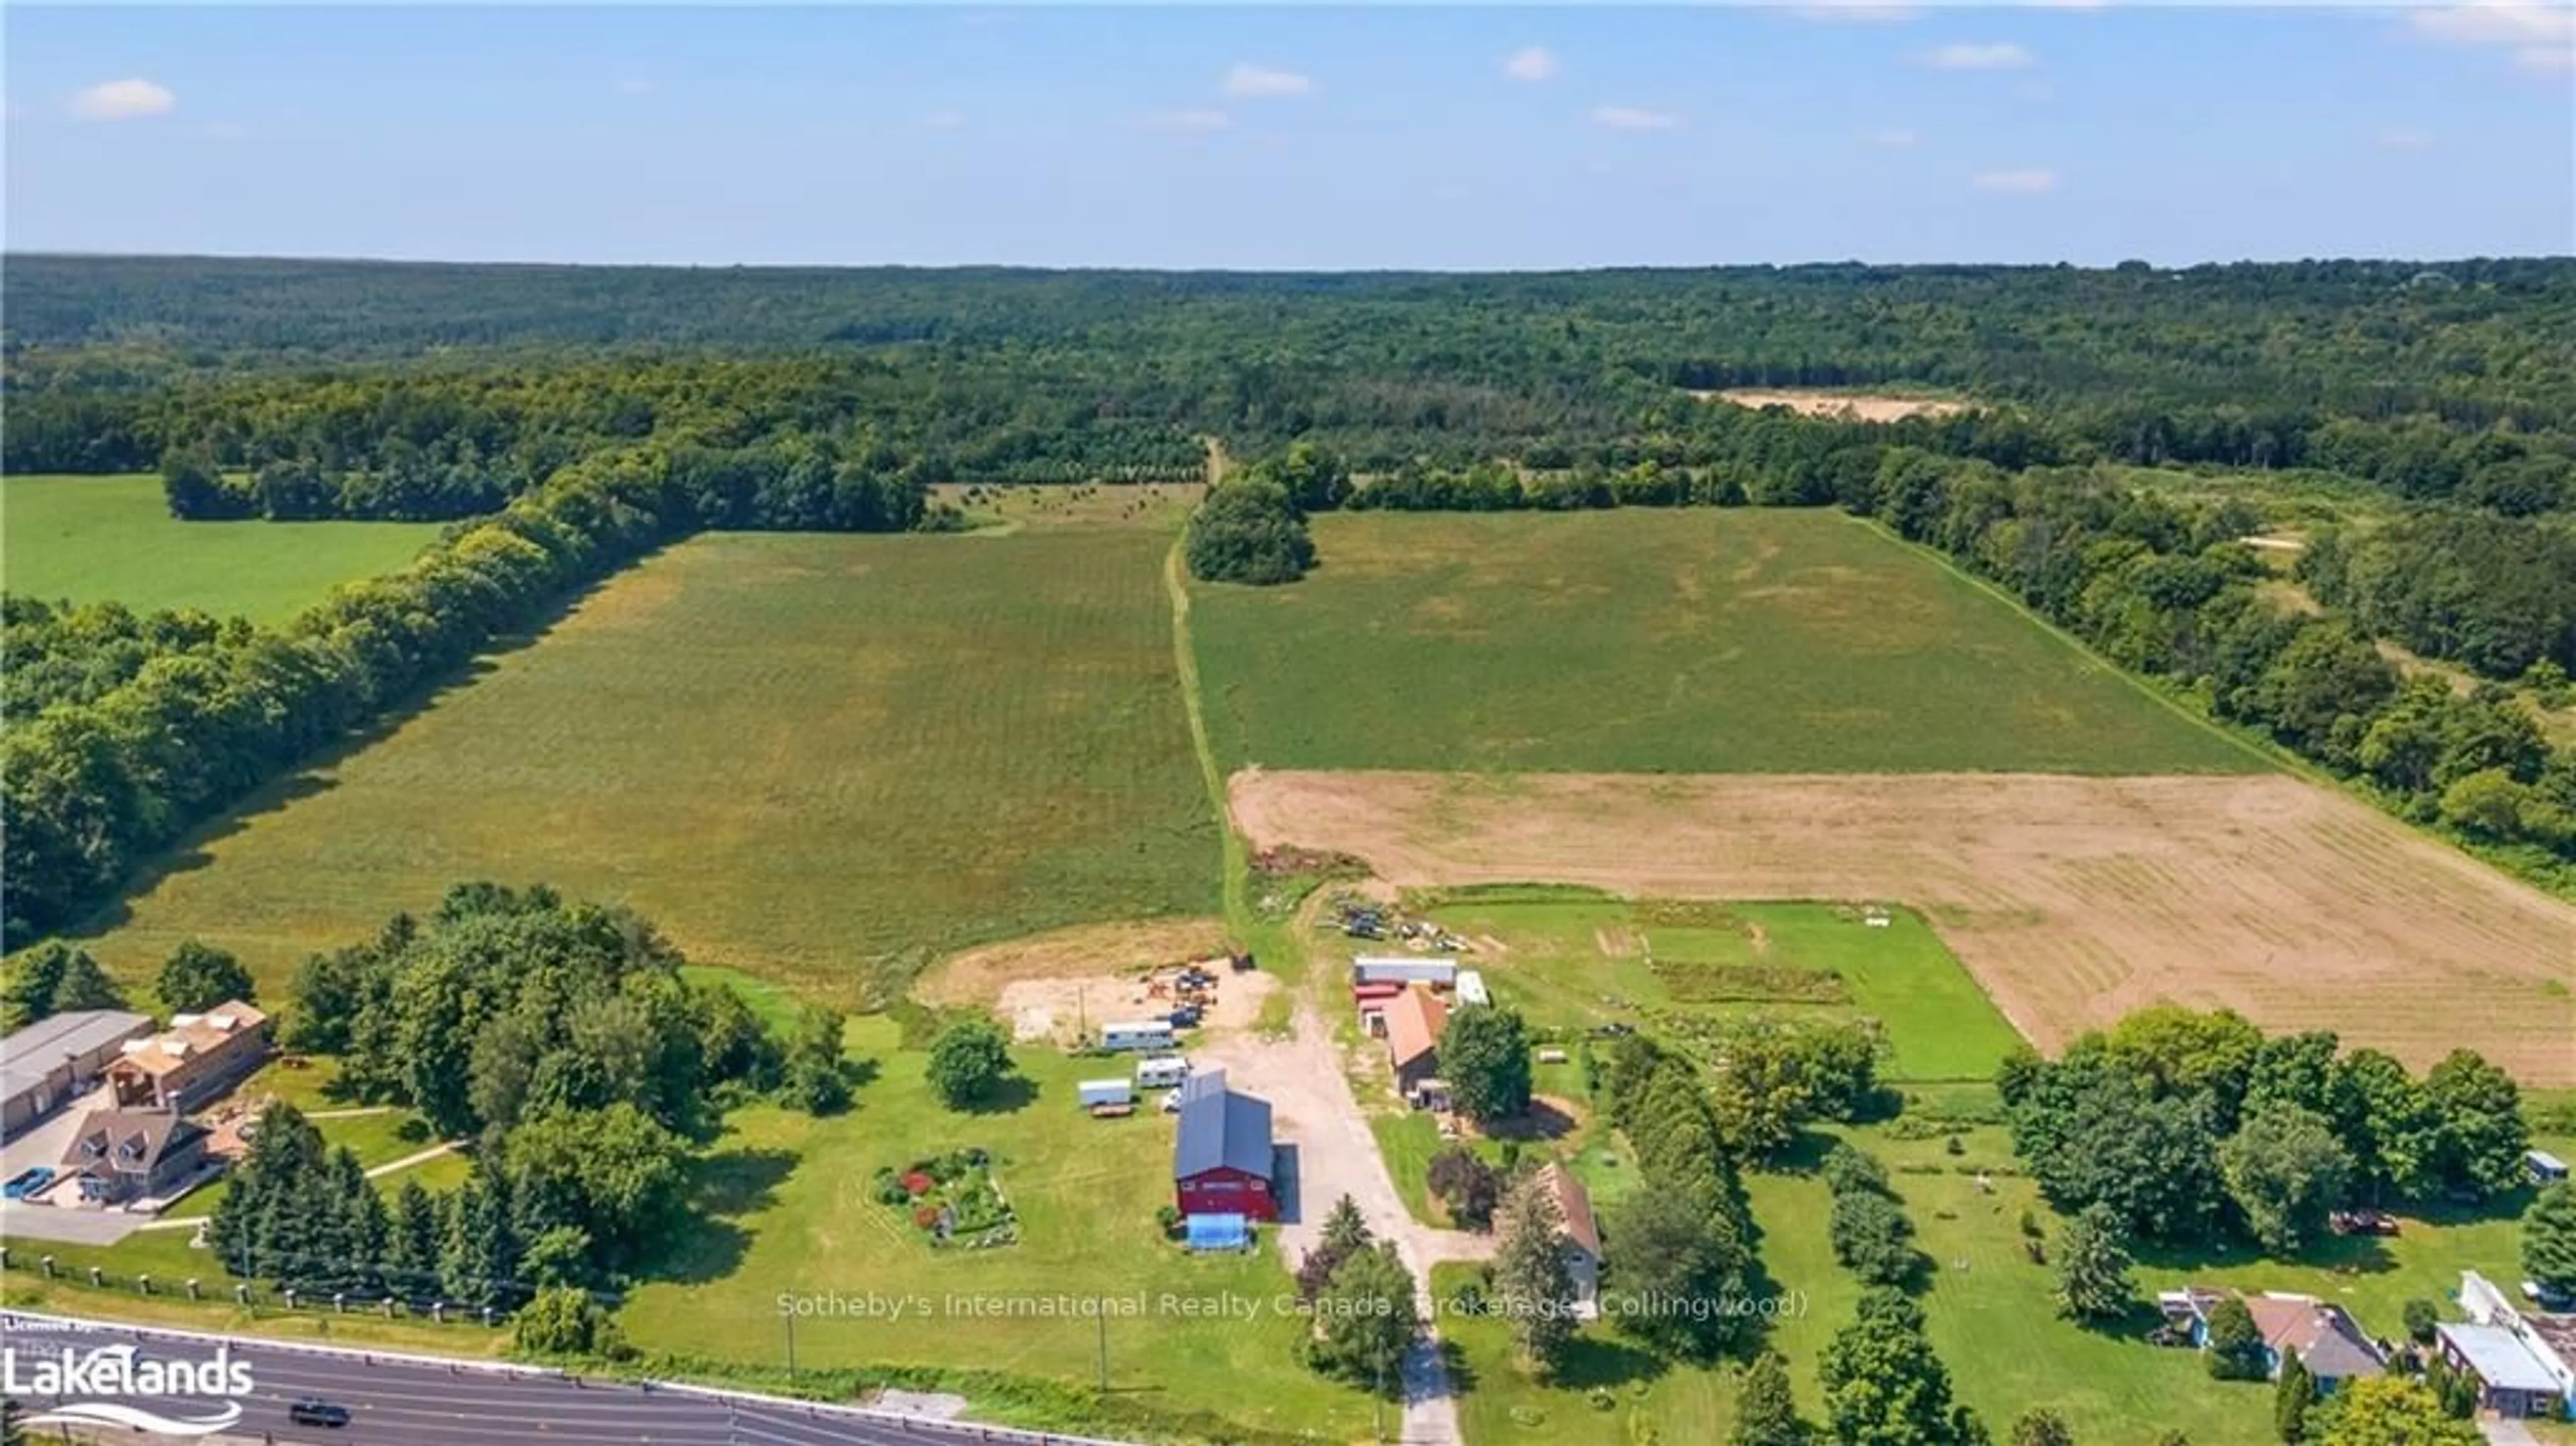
1093,1092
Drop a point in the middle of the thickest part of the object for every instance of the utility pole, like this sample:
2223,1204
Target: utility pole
791,1346
1100,1318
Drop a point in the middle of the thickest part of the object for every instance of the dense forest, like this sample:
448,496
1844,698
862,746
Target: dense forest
2456,379
565,421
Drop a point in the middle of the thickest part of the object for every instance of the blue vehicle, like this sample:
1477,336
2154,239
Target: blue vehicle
27,1182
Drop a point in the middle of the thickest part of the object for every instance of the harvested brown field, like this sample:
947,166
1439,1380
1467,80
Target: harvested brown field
1806,402
2073,900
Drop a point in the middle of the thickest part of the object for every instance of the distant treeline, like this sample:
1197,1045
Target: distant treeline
2454,382
441,442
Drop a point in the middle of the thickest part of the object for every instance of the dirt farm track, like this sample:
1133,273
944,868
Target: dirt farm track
2073,900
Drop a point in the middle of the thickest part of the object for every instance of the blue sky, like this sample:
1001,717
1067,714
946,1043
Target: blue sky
1233,136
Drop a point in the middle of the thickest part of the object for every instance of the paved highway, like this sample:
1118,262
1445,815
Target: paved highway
397,1400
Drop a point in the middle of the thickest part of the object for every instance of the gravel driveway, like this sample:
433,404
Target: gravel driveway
1315,1115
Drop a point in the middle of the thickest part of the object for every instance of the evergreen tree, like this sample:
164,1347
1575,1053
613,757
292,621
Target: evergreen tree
411,1253
2549,1239
1345,1234
2293,1393
1345,1229
1766,1408
365,1227
2093,1266
1532,1277
479,1260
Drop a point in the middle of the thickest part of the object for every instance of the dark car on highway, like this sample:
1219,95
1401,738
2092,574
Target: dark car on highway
317,1413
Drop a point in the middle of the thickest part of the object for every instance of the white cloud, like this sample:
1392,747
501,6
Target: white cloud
944,120
2541,36
1896,139
1865,12
1201,120
124,100
1999,56
2026,182
1535,62
1634,118
2404,138
1255,82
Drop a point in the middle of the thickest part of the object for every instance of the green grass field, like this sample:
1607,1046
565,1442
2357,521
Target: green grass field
1565,957
820,759
1989,1314
1736,641
795,1216
94,539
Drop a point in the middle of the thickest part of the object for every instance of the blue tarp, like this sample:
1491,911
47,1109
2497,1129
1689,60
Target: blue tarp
1220,1232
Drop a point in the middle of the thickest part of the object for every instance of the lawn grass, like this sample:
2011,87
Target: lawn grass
1570,960
95,539
819,759
794,1214
1732,641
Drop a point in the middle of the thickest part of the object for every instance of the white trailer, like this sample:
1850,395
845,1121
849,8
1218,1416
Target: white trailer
1471,988
1161,1072
1440,973
1137,1034
1094,1092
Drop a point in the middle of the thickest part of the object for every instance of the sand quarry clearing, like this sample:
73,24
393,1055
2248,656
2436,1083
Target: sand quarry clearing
1863,406
2072,900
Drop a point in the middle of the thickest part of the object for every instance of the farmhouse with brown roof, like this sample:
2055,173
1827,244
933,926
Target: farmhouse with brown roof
1578,1235
1415,1021
196,1058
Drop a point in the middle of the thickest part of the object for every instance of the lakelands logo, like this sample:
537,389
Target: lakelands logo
176,1398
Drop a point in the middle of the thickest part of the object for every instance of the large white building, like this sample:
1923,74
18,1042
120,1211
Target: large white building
2525,1364
56,1059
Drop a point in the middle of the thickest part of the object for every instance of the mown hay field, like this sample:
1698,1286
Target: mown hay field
103,539
1648,641
2072,900
822,759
